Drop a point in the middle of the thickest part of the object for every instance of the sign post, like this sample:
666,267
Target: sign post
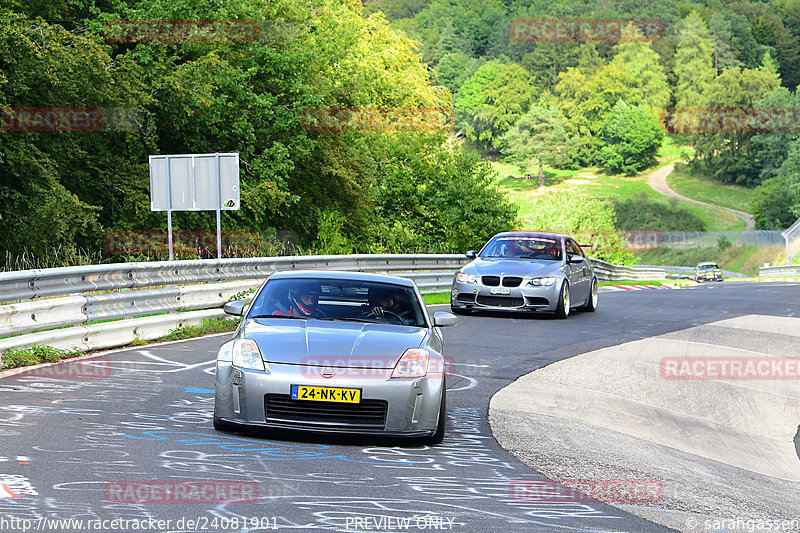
194,182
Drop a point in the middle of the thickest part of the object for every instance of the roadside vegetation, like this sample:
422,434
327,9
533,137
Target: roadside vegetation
685,181
35,355
586,117
743,259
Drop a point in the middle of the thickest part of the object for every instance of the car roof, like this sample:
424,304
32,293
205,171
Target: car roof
530,234
707,263
341,275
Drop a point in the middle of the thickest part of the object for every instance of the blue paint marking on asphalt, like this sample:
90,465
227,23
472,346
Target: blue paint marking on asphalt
199,391
265,450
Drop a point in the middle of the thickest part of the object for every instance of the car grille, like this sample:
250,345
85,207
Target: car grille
491,281
511,281
366,414
465,297
499,301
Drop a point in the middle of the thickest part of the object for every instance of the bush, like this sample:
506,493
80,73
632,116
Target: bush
643,213
631,137
35,355
587,219
772,204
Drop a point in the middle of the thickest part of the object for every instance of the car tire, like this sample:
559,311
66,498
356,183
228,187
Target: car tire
591,302
438,436
562,309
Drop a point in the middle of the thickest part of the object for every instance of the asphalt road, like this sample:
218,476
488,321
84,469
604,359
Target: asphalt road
82,442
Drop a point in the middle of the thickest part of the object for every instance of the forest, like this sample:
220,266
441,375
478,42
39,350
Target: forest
250,86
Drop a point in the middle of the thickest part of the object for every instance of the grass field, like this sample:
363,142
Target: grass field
592,182
708,190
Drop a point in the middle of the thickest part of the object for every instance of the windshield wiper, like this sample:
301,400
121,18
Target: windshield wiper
539,256
278,316
348,319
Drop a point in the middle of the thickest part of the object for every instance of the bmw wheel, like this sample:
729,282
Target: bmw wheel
562,310
591,302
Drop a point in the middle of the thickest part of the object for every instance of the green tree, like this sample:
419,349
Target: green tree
631,137
773,204
454,69
728,153
433,193
646,80
693,63
768,29
492,100
771,148
586,99
790,171
538,136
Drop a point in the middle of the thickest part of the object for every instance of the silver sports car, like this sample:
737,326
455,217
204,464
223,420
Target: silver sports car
521,271
334,352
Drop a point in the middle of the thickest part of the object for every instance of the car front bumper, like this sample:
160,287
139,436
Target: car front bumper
521,298
401,407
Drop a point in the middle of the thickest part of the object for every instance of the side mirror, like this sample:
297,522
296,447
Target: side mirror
573,259
443,318
234,308
472,254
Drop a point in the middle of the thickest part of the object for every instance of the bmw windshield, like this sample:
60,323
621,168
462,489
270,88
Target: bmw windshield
523,247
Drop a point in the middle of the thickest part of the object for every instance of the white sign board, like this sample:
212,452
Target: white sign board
189,182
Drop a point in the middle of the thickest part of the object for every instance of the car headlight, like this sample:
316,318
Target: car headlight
466,278
536,282
413,364
247,355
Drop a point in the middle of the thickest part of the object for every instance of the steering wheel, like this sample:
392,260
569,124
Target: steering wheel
394,316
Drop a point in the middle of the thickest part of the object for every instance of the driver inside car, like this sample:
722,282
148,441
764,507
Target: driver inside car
305,302
381,302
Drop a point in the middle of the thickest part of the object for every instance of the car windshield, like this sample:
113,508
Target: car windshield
707,267
338,300
523,247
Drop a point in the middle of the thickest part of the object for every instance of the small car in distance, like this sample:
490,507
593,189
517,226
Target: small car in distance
334,352
526,271
708,271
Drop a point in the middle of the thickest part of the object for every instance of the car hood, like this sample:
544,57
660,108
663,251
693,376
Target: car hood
511,267
328,343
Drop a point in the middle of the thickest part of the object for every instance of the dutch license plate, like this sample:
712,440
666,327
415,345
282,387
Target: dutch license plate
325,394
500,290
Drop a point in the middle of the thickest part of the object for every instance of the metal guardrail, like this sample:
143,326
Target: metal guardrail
153,298
774,271
608,272
651,239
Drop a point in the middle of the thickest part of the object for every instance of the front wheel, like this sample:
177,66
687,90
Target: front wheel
438,437
591,302
562,310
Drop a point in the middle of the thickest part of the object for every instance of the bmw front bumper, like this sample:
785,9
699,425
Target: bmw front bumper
521,298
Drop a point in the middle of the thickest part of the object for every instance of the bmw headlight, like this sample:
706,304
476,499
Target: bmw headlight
542,282
466,278
247,355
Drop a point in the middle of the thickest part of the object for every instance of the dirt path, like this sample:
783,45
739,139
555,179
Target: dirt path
658,181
